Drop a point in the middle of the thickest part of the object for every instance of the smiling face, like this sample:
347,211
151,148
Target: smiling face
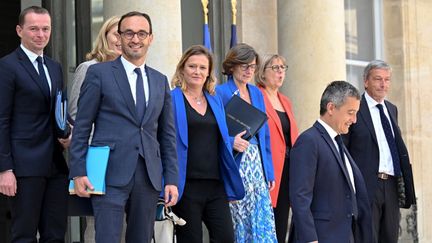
135,49
377,84
243,73
274,79
341,118
113,39
196,71
35,32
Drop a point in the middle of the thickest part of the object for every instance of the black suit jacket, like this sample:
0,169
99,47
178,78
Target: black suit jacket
362,143
28,144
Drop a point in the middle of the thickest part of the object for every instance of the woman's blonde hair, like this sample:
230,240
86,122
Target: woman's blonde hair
179,79
266,60
101,52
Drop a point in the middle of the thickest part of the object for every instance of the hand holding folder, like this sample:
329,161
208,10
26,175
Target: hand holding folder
96,165
242,116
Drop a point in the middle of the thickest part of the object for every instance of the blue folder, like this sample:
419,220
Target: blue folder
62,127
96,163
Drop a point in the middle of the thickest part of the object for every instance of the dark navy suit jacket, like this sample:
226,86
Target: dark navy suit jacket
106,101
28,143
225,92
228,168
320,192
362,143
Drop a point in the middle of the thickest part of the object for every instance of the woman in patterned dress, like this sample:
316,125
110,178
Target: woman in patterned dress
253,215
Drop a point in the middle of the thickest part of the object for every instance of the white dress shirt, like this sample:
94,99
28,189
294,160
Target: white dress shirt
32,56
385,158
132,77
332,133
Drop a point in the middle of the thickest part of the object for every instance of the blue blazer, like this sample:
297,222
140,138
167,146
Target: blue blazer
106,101
321,193
28,143
228,168
225,92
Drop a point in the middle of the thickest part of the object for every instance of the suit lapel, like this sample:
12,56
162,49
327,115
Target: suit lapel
54,80
367,118
272,114
232,86
121,79
180,111
28,66
220,116
293,124
152,89
333,148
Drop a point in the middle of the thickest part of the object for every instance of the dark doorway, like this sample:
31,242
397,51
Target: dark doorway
9,41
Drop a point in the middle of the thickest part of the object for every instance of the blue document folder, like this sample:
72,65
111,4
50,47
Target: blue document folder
96,162
62,127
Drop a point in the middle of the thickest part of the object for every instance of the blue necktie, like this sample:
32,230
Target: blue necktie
42,75
140,95
390,140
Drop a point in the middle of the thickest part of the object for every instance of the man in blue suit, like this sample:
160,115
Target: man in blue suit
130,105
33,172
328,195
381,156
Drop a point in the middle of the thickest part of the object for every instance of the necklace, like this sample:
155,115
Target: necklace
198,99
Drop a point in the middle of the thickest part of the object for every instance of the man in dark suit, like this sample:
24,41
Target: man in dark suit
33,172
328,195
130,105
381,154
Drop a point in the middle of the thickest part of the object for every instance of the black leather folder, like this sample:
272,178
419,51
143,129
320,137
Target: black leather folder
242,116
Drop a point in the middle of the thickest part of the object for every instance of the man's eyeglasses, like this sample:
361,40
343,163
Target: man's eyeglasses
129,35
245,67
278,68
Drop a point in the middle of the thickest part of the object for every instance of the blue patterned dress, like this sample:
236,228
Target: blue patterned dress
252,216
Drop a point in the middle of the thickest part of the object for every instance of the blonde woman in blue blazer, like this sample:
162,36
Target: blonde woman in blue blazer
253,217
209,176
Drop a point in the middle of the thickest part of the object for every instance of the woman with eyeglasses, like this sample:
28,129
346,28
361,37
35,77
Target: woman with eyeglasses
283,133
253,215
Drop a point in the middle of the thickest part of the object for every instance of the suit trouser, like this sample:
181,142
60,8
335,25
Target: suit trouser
40,205
385,212
204,200
138,199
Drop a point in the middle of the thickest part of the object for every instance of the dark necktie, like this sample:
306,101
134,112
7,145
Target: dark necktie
340,144
42,76
390,140
140,95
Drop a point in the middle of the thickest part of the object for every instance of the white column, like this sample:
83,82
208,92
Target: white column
311,36
257,24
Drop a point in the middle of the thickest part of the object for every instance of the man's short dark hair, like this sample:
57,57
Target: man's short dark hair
135,13
337,92
31,9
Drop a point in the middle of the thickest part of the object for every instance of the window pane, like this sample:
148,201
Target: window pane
359,30
355,76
